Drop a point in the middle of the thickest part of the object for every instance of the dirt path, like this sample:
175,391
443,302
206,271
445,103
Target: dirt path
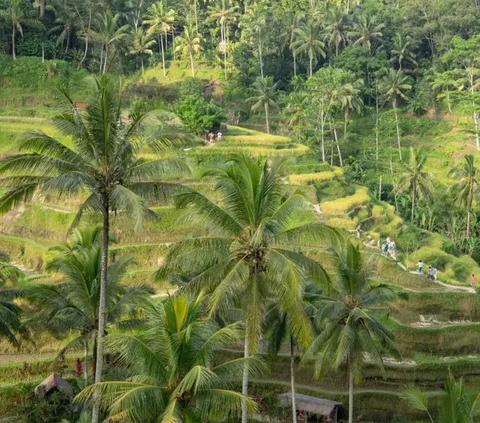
448,286
18,358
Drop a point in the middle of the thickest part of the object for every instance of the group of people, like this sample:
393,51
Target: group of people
431,273
389,248
211,137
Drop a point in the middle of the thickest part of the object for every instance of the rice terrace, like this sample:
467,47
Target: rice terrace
239,211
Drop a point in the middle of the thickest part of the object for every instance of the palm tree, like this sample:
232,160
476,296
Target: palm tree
65,21
141,43
366,31
443,84
467,189
334,30
265,93
189,44
308,42
402,50
288,37
349,96
393,86
224,14
103,162
10,321
73,304
413,178
160,22
107,33
17,15
245,261
175,377
350,316
457,405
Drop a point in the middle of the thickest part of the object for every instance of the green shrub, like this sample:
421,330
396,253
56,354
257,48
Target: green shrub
199,115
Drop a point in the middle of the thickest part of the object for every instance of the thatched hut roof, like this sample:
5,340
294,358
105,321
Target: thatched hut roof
314,405
52,383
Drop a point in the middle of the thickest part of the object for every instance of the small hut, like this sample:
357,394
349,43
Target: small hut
54,383
324,408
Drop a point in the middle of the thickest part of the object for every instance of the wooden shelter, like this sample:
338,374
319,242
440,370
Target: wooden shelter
312,405
54,383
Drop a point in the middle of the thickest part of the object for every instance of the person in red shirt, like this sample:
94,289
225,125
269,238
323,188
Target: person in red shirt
473,281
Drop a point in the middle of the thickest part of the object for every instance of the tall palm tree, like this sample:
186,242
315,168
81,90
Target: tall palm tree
224,14
334,30
175,377
443,84
189,44
366,31
349,97
265,93
402,50
393,86
73,304
10,313
107,32
414,179
66,21
160,22
308,42
140,44
103,162
350,316
467,189
17,15
288,36
247,261
457,404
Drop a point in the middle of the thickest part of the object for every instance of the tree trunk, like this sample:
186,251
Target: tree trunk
469,213
84,53
163,55
85,370
477,135
196,15
103,303
225,61
292,379
101,59
14,55
376,124
336,141
380,189
266,118
246,354
414,194
350,396
260,57
105,60
43,52
394,187
141,61
322,127
173,44
166,40
345,123
42,9
294,64
398,132
191,64
311,66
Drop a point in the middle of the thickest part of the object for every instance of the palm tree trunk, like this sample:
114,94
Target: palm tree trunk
345,123
377,135
225,61
85,370
14,55
477,135
103,302
246,354
394,185
322,127
163,55
414,194
311,66
196,15
141,61
191,64
84,53
398,132
43,52
260,57
173,44
332,124
380,189
105,60
294,64
42,8
292,379
166,40
266,118
350,397
469,213
101,58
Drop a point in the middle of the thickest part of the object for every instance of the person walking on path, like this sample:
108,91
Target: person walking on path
430,272
210,137
434,272
219,136
419,266
473,281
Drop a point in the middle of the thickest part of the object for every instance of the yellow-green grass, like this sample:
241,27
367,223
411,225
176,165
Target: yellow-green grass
236,134
178,71
342,222
310,178
296,150
346,204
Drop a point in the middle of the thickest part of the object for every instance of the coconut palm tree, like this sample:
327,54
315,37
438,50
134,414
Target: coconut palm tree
246,261
394,86
308,41
140,44
402,50
107,32
366,31
350,316
189,44
175,377
288,36
16,15
224,14
104,162
457,404
160,22
73,304
334,30
467,189
414,179
10,319
349,97
265,93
